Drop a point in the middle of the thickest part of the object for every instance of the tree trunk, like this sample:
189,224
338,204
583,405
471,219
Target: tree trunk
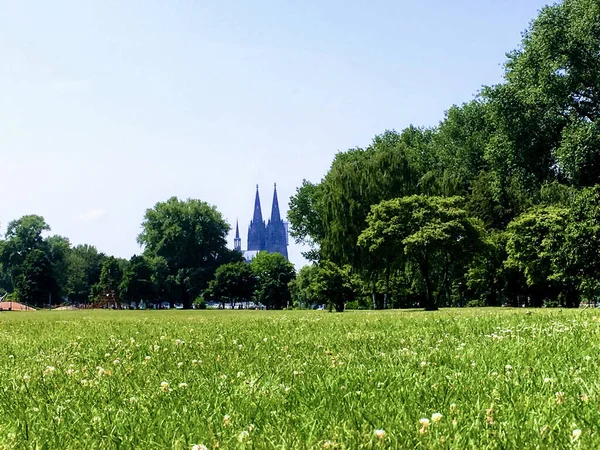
387,287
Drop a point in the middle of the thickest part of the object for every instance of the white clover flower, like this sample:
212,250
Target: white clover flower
436,417
180,364
116,362
424,422
226,420
547,380
182,385
508,367
453,407
380,434
26,378
106,355
147,358
576,434
164,386
423,363
49,370
265,339
199,447
243,436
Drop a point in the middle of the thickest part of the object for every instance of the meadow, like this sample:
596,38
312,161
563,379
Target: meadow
470,378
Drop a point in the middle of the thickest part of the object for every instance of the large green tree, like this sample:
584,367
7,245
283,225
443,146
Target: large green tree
35,283
273,276
137,282
432,238
190,236
233,282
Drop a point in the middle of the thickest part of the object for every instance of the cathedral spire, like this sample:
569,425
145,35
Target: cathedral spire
275,215
237,242
257,211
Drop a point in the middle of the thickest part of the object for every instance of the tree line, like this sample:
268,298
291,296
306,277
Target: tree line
185,259
497,205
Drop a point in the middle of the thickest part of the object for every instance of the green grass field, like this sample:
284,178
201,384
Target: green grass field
499,378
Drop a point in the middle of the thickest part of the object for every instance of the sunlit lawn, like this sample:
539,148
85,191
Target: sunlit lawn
500,378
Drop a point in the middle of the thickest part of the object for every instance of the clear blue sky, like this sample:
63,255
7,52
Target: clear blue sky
107,107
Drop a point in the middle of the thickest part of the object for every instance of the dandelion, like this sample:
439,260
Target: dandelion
226,420
164,386
380,434
576,434
243,436
436,417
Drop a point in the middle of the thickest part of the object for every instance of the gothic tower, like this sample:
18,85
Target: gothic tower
237,242
256,230
277,239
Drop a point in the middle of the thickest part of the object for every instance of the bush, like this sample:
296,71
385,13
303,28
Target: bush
475,304
551,304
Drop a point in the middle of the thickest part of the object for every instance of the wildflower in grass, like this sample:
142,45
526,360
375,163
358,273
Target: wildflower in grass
26,378
199,447
265,339
164,386
133,400
576,434
70,371
424,425
452,408
584,398
560,397
226,420
547,380
179,364
545,430
179,342
436,417
380,434
107,355
147,358
11,356
423,363
116,362
182,385
489,415
588,357
327,444
240,374
48,370
508,367
243,436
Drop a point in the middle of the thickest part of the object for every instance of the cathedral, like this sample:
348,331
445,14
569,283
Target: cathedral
271,237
